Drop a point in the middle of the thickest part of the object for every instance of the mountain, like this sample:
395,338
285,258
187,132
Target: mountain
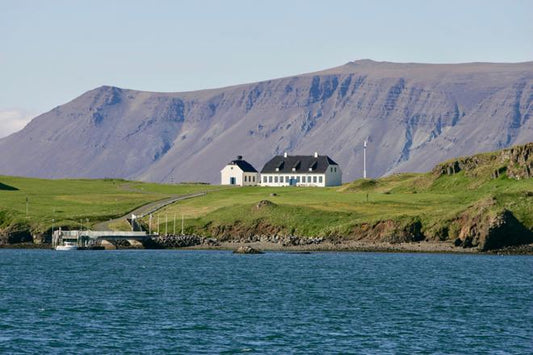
413,115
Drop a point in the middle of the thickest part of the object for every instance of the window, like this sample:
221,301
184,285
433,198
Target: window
320,179
270,179
264,179
286,179
314,179
335,169
275,179
245,178
309,179
331,169
297,179
253,179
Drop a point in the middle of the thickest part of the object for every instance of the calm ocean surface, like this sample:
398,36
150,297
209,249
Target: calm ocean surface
150,301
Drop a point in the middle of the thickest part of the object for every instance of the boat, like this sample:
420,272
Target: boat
67,245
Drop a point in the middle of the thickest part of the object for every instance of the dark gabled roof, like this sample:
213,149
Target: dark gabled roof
302,163
244,165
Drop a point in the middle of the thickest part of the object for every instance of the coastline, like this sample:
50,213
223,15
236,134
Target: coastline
325,246
357,246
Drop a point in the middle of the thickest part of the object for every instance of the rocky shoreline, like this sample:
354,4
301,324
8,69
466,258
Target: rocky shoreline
418,247
293,243
335,244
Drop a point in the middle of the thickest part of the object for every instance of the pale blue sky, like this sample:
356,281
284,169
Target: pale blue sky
52,51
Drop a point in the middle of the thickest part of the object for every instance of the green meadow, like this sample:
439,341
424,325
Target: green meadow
437,201
434,201
34,203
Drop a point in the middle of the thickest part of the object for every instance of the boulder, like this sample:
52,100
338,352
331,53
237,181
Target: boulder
247,250
264,203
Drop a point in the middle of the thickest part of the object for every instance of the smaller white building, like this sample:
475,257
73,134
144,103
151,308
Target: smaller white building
301,170
239,172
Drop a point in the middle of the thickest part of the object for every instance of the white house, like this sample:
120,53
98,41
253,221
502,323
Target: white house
301,170
239,172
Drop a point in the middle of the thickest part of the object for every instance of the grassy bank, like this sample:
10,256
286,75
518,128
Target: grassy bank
69,201
323,211
478,200
472,200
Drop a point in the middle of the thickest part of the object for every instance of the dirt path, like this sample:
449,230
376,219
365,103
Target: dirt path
146,209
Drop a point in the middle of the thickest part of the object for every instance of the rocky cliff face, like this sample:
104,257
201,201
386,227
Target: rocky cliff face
414,115
515,162
485,227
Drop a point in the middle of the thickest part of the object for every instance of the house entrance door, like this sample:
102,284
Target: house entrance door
232,181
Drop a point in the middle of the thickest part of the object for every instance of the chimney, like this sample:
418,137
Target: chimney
316,154
285,155
239,157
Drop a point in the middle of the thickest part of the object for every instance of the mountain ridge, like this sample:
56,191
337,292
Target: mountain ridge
413,115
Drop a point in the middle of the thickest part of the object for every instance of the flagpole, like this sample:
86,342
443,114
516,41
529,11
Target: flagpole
364,161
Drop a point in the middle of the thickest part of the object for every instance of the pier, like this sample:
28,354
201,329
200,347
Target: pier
90,238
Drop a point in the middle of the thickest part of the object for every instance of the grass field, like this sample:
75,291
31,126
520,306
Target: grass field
435,199
70,201
327,211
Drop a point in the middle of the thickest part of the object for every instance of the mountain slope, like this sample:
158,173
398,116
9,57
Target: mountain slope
414,115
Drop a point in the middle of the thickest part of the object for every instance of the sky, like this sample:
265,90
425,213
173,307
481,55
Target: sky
53,51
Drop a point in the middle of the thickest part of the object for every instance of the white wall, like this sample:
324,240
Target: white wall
282,179
230,171
332,177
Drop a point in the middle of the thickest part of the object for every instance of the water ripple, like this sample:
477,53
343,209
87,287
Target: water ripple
217,302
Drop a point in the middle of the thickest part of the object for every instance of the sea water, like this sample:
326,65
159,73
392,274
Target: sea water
147,301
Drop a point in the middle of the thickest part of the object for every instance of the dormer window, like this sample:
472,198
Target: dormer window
296,166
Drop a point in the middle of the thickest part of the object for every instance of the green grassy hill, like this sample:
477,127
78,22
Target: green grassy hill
72,202
484,201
